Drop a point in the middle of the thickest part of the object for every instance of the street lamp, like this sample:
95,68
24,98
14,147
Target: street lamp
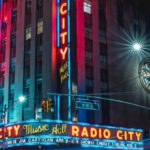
20,99
137,46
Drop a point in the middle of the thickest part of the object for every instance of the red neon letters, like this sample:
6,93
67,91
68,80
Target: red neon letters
104,133
10,131
63,30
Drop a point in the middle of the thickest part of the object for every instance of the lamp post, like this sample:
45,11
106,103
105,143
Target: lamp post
20,99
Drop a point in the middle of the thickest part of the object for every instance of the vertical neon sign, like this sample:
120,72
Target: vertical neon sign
63,46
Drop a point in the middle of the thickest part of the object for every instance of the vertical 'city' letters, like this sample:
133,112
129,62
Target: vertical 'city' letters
63,30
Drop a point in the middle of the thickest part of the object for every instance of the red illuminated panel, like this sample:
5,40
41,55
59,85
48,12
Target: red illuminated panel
13,131
63,30
104,133
63,8
10,131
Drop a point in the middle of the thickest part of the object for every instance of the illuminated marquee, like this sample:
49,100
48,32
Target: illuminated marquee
104,133
63,37
53,132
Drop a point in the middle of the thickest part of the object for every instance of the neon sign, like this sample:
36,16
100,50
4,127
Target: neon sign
10,131
52,132
63,34
63,47
104,133
63,38
63,72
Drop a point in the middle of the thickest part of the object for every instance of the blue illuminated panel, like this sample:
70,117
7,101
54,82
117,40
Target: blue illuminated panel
48,132
63,47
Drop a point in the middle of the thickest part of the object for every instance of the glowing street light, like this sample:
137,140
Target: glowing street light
4,111
137,46
21,98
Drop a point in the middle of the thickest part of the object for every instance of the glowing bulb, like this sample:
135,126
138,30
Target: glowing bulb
21,98
137,46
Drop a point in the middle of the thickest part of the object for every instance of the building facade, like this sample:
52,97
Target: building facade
81,49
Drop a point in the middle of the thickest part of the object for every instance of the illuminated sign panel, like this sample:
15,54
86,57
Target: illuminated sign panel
49,132
63,38
63,29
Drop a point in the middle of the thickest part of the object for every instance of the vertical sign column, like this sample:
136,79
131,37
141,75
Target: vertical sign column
63,49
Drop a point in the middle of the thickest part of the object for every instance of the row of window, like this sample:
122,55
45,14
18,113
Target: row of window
28,11
38,52
12,60
3,41
28,32
89,46
27,48
102,15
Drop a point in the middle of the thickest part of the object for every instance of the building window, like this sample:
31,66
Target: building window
14,15
87,6
3,45
26,73
28,7
103,59
88,20
88,44
102,15
13,40
11,105
4,30
89,82
38,60
39,27
102,36
104,86
38,64
27,46
26,91
13,46
1,57
27,12
88,33
103,49
38,69
89,85
12,64
89,72
104,75
12,77
39,9
28,33
3,51
14,3
26,66
88,55
1,99
14,21
38,91
1,81
104,80
39,39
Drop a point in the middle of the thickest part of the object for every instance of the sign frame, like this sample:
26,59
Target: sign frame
53,132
